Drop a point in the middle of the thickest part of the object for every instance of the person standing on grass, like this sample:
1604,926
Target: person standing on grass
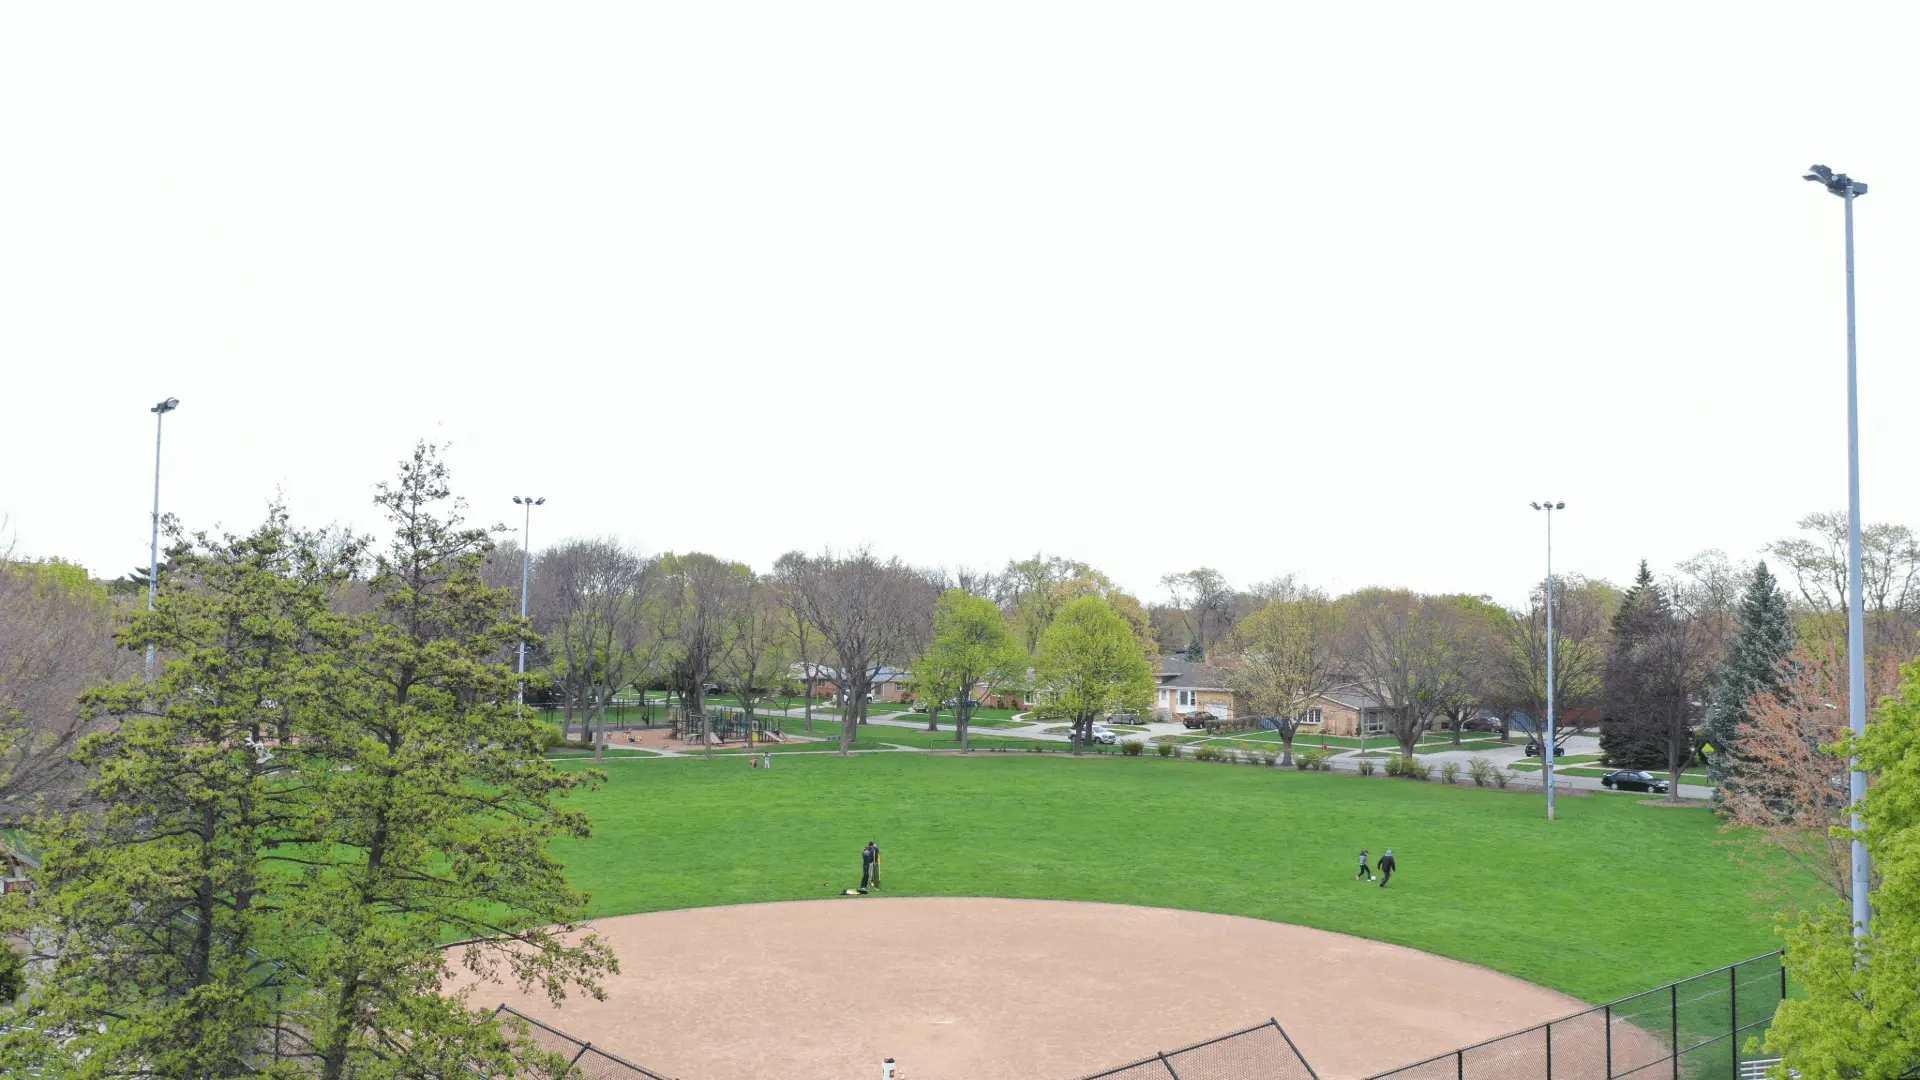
1386,868
870,865
1364,872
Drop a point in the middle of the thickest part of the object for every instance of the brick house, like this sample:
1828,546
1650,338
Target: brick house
1349,710
1189,687
889,684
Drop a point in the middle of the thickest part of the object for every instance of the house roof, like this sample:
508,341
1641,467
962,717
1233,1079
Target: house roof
1355,697
1187,675
829,672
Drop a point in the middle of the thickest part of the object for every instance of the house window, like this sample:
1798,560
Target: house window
1188,699
1373,722
1311,717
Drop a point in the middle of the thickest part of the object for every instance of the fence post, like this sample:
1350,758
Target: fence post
1674,1011
1608,1013
1733,1016
1460,1065
1549,1051
1783,975
1168,1065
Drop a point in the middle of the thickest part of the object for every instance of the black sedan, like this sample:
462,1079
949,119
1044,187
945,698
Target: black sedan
1634,780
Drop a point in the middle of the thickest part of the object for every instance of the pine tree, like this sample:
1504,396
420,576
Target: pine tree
1763,637
1628,735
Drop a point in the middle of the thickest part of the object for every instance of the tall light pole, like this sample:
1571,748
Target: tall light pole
159,412
1847,188
526,566
1546,744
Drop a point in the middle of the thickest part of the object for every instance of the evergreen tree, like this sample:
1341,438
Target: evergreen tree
1763,637
432,816
1629,733
1196,652
150,918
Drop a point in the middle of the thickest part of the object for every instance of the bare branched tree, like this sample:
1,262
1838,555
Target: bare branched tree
56,639
759,659
1794,797
1582,609
599,592
869,613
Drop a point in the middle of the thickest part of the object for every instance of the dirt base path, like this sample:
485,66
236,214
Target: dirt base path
990,989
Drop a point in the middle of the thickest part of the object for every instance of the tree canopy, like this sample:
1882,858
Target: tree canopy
1089,663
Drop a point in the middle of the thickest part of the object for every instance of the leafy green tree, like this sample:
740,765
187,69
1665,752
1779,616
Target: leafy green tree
151,918
1089,663
427,811
1763,637
1285,655
972,653
13,974
1860,1016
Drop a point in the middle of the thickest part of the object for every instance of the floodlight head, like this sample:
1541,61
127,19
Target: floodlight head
1837,183
1535,505
541,501
166,406
1560,506
516,500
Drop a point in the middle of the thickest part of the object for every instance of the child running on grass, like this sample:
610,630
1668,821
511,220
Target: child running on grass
1364,872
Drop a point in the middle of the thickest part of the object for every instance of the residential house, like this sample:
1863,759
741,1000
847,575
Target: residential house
1187,687
889,684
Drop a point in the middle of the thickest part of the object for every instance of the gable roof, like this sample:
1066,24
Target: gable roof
1355,697
1188,675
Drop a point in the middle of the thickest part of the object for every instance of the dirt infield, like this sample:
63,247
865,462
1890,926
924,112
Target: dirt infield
986,989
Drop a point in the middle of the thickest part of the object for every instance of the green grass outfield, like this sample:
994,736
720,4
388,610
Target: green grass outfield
1613,898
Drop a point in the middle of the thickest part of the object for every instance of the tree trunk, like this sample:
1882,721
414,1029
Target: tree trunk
933,717
961,719
809,704
1286,742
600,725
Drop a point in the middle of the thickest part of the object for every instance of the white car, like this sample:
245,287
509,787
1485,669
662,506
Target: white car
1105,736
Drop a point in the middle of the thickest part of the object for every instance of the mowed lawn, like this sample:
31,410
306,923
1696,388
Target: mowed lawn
1613,898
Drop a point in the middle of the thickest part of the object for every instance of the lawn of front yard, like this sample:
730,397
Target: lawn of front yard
1612,898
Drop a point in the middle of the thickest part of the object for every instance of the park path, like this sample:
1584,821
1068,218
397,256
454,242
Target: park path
1343,760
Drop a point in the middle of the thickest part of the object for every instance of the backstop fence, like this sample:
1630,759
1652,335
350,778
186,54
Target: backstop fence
1694,1029
1264,1052
585,1061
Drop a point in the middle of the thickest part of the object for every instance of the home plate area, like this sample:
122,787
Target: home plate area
984,989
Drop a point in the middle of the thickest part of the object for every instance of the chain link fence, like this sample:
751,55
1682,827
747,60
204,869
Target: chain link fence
585,1061
1264,1052
1694,1029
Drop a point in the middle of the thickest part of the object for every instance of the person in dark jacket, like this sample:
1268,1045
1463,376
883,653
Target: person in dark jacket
1386,868
870,865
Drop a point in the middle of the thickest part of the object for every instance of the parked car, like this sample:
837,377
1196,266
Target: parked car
1635,780
1533,749
1483,723
1104,735
1123,718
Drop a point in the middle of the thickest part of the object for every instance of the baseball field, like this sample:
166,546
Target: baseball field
1500,918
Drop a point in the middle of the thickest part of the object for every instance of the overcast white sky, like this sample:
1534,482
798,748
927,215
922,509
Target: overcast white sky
1329,289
